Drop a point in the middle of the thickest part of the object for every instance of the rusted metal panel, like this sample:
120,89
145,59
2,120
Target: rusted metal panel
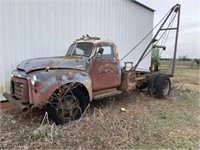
128,81
38,92
105,74
105,70
46,87
105,93
53,63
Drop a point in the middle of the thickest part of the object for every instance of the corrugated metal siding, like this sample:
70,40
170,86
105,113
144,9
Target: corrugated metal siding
38,28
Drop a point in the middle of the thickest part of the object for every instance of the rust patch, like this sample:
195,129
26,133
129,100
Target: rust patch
128,81
104,74
41,99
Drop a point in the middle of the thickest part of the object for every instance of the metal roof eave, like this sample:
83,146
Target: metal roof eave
143,5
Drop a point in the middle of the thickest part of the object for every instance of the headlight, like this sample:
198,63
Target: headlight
33,79
18,73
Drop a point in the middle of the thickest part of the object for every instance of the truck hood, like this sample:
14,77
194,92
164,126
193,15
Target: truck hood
53,63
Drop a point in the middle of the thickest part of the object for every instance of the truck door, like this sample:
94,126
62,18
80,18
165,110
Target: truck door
106,72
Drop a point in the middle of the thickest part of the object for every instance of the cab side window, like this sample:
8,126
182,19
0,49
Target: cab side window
107,52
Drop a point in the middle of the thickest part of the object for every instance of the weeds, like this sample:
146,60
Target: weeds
149,123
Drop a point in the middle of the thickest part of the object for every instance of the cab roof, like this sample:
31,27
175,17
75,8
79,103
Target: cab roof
94,40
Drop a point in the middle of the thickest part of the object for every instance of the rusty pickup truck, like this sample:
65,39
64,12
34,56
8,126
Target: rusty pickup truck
90,70
64,86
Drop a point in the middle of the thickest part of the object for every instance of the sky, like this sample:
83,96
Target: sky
189,31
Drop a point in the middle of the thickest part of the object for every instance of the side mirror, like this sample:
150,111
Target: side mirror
100,51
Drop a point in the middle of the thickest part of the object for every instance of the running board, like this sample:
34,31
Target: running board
105,93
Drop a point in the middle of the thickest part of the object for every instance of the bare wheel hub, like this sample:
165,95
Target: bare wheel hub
166,88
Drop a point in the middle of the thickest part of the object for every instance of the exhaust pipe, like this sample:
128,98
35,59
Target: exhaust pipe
17,103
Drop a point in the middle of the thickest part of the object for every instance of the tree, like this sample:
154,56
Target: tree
184,58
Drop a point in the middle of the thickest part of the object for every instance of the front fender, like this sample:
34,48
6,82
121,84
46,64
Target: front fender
48,82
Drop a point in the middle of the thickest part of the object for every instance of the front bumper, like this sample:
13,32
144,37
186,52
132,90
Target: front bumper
19,105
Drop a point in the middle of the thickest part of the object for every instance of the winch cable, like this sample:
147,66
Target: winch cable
145,36
166,32
164,40
144,53
173,9
167,35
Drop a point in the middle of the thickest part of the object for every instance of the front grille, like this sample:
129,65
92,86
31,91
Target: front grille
19,88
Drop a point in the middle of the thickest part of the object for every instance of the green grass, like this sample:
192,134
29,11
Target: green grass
178,63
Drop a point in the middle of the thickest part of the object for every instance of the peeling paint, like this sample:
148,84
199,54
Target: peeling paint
71,62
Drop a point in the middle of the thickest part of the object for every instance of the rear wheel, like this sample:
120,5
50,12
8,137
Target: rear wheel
65,107
163,86
152,82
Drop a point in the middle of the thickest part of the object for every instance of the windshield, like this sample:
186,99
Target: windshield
80,49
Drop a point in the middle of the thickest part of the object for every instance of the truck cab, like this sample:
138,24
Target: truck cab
103,58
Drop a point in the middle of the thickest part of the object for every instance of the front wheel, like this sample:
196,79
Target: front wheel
163,86
64,107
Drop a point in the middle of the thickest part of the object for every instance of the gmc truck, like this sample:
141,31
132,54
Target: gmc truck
64,86
90,70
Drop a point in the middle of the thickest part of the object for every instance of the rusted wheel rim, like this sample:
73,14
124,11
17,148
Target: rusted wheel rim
67,108
166,88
